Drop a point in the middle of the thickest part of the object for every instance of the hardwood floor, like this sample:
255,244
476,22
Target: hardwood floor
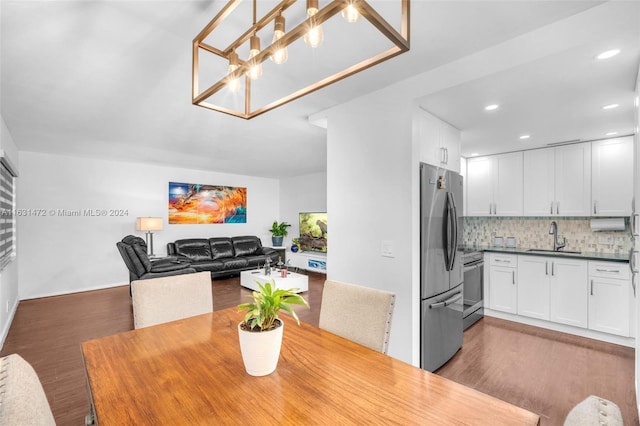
543,371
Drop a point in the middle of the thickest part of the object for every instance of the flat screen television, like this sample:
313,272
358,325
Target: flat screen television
313,231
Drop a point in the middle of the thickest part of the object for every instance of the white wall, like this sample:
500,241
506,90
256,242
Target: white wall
306,193
371,184
9,275
59,255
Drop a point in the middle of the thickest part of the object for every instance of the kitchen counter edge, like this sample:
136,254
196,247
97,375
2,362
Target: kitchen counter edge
608,257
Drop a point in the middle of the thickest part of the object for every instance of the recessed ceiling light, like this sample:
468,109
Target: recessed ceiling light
608,54
491,107
611,133
475,154
525,136
610,106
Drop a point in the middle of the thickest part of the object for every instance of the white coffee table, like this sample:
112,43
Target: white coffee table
248,279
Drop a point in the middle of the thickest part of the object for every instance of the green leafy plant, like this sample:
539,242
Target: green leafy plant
295,241
263,311
279,229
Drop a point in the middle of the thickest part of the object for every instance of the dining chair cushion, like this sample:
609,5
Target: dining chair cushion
594,411
22,400
160,300
357,313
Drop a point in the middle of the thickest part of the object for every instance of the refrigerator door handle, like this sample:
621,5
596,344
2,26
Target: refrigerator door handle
447,302
454,245
452,231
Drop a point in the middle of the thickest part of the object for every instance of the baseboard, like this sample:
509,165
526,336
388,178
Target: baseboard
7,325
596,335
62,293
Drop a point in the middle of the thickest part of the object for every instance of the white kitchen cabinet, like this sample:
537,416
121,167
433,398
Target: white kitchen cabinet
557,181
610,298
439,141
503,283
612,177
539,182
568,292
533,286
573,180
494,185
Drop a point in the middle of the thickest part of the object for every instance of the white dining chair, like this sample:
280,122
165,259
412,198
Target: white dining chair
22,398
357,313
160,300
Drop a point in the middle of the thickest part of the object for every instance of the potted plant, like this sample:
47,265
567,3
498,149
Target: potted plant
278,232
295,244
260,331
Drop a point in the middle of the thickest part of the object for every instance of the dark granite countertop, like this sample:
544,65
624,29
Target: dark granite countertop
586,255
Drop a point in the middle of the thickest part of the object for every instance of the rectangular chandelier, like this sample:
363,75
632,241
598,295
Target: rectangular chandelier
243,80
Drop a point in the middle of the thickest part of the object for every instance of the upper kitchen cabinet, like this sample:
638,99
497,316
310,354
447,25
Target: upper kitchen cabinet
557,181
612,177
439,141
494,185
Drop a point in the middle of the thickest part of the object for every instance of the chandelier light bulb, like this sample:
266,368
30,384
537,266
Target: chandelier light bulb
315,36
233,83
281,55
255,68
351,14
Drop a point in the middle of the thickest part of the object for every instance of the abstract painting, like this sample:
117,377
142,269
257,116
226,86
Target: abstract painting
193,203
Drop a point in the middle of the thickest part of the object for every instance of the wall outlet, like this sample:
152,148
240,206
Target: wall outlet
605,240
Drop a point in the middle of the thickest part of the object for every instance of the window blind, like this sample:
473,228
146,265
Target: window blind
7,213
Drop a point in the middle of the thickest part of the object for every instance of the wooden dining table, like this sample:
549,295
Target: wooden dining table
190,371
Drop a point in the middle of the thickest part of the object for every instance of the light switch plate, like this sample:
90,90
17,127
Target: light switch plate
388,248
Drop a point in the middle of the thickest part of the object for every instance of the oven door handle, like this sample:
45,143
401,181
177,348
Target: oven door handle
473,266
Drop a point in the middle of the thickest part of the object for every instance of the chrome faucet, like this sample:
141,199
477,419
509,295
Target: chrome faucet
553,230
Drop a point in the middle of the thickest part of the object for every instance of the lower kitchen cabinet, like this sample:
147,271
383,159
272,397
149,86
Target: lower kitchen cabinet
503,283
533,286
590,295
609,298
568,302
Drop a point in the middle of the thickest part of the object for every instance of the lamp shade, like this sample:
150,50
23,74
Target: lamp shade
149,224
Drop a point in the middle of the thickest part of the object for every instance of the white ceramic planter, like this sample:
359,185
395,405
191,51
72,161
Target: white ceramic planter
261,351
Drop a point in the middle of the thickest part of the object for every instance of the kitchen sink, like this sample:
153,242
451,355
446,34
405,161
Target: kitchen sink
553,251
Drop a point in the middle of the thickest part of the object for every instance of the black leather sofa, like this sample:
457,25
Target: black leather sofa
134,253
222,256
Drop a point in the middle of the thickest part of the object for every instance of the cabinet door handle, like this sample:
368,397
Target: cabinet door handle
633,284
558,207
592,287
446,156
617,271
551,208
489,208
553,269
595,207
546,268
513,277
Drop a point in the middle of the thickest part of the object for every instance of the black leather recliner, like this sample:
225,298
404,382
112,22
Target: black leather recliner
134,253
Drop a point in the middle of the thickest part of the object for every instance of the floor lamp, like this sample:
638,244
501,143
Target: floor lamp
149,224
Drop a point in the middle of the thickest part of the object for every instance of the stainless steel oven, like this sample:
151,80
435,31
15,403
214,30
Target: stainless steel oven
473,287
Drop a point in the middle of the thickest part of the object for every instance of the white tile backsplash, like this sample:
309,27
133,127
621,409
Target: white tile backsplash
533,232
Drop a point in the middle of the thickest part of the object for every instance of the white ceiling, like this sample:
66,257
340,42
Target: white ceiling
112,79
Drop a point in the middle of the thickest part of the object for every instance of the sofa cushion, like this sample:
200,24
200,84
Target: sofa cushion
247,245
195,249
235,263
142,255
256,261
209,265
221,248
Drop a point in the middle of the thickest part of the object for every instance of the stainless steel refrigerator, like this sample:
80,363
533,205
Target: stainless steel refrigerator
441,268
